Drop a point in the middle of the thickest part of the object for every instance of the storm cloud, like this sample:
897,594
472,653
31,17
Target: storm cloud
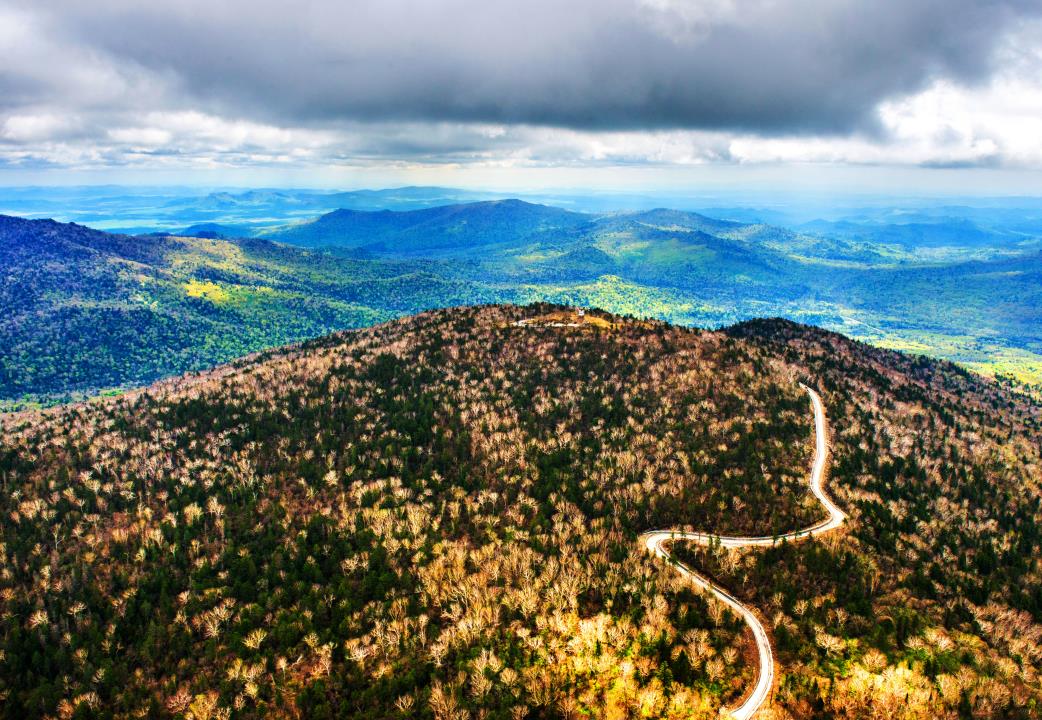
763,65
466,79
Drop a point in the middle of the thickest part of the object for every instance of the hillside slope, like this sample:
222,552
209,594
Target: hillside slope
85,310
438,517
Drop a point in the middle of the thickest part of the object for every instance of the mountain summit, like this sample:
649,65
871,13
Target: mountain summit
439,517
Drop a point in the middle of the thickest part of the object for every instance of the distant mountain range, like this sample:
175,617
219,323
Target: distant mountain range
86,310
146,210
142,210
438,230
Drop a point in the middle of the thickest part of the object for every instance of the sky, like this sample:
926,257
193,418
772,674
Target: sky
917,95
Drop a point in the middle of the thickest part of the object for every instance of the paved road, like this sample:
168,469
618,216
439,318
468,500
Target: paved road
657,540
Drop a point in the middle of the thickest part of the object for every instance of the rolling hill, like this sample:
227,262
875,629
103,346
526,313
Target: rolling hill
87,311
438,230
439,517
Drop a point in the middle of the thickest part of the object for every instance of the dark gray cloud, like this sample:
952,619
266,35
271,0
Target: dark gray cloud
761,66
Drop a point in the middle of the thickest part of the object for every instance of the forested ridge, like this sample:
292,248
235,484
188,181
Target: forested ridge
438,517
88,311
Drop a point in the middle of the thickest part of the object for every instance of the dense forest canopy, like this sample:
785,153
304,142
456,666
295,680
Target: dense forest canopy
438,517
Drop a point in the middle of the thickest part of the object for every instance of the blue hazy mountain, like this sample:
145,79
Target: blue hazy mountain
87,309
935,233
167,209
434,230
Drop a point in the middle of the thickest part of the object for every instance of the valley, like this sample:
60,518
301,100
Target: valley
171,304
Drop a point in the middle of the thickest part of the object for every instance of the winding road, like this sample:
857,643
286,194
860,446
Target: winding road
657,540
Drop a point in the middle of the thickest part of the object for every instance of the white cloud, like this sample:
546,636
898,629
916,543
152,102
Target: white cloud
36,128
996,123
